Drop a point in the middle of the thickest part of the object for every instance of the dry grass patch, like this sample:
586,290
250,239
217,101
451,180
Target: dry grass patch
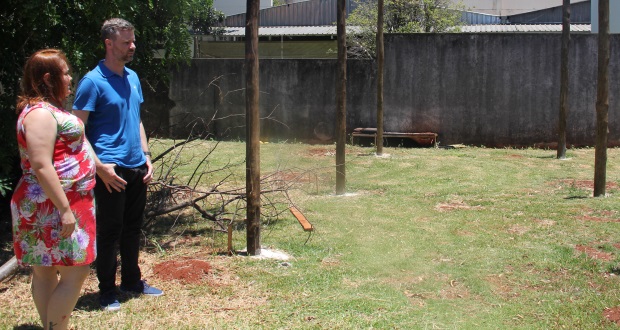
502,286
195,297
456,205
517,229
599,216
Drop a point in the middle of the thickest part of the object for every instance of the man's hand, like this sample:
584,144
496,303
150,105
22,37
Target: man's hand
149,171
109,177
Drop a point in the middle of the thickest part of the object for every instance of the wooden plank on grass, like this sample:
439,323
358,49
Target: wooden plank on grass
307,226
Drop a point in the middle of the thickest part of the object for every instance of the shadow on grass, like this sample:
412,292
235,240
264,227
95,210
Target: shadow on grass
27,327
89,302
576,197
614,269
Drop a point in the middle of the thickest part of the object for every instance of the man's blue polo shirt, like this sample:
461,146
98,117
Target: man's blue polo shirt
113,126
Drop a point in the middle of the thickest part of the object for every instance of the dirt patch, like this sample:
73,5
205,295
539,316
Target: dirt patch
518,229
585,184
599,216
501,286
596,219
544,223
594,253
612,314
186,271
455,290
325,152
457,205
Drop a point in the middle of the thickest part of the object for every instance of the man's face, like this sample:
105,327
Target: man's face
123,46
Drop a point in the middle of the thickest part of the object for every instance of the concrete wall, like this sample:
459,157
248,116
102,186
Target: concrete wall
494,89
297,98
481,89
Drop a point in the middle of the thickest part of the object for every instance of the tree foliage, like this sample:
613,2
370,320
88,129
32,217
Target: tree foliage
74,25
400,16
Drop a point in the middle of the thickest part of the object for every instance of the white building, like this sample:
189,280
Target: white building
233,7
509,7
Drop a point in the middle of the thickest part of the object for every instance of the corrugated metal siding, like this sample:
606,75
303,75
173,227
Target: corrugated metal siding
523,28
478,28
479,18
580,14
323,12
265,31
307,13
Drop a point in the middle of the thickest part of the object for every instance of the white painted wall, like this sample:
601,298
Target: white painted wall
510,7
614,16
233,7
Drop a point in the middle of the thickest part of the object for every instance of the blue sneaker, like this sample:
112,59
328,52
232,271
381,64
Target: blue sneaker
144,289
109,303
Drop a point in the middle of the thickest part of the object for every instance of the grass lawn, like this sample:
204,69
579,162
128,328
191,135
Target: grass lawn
467,238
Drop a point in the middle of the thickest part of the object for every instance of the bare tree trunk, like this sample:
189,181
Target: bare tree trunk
602,100
561,154
252,128
341,99
380,60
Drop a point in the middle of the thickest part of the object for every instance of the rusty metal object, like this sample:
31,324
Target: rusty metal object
422,139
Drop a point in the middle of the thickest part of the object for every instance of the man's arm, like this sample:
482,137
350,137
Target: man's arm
145,148
105,171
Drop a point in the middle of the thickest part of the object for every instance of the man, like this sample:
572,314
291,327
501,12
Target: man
108,101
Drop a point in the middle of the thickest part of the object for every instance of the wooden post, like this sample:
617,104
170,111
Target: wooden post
230,246
380,60
341,99
561,153
252,128
602,100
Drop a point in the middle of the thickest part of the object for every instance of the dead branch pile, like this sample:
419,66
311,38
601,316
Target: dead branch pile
217,194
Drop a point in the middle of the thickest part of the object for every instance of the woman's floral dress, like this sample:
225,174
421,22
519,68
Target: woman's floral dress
36,221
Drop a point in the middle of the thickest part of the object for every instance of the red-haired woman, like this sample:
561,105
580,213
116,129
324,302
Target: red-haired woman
52,206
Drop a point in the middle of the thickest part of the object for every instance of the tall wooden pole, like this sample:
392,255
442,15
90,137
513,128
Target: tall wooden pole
380,61
561,154
252,174
341,99
602,100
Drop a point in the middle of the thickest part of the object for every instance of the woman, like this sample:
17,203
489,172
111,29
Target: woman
52,206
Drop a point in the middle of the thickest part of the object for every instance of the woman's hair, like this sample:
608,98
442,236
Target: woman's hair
33,86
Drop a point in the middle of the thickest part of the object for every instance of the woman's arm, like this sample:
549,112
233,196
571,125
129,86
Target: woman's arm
40,130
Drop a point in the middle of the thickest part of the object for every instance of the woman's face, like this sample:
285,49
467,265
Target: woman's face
66,79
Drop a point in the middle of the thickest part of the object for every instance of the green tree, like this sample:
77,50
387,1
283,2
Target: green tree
73,26
400,16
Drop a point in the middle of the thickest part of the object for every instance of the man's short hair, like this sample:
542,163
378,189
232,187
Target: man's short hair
112,26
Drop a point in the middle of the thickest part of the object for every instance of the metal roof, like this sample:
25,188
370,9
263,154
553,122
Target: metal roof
579,14
330,30
323,12
307,13
265,31
522,28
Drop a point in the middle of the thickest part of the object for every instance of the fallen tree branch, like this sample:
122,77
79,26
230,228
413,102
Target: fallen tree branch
8,269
